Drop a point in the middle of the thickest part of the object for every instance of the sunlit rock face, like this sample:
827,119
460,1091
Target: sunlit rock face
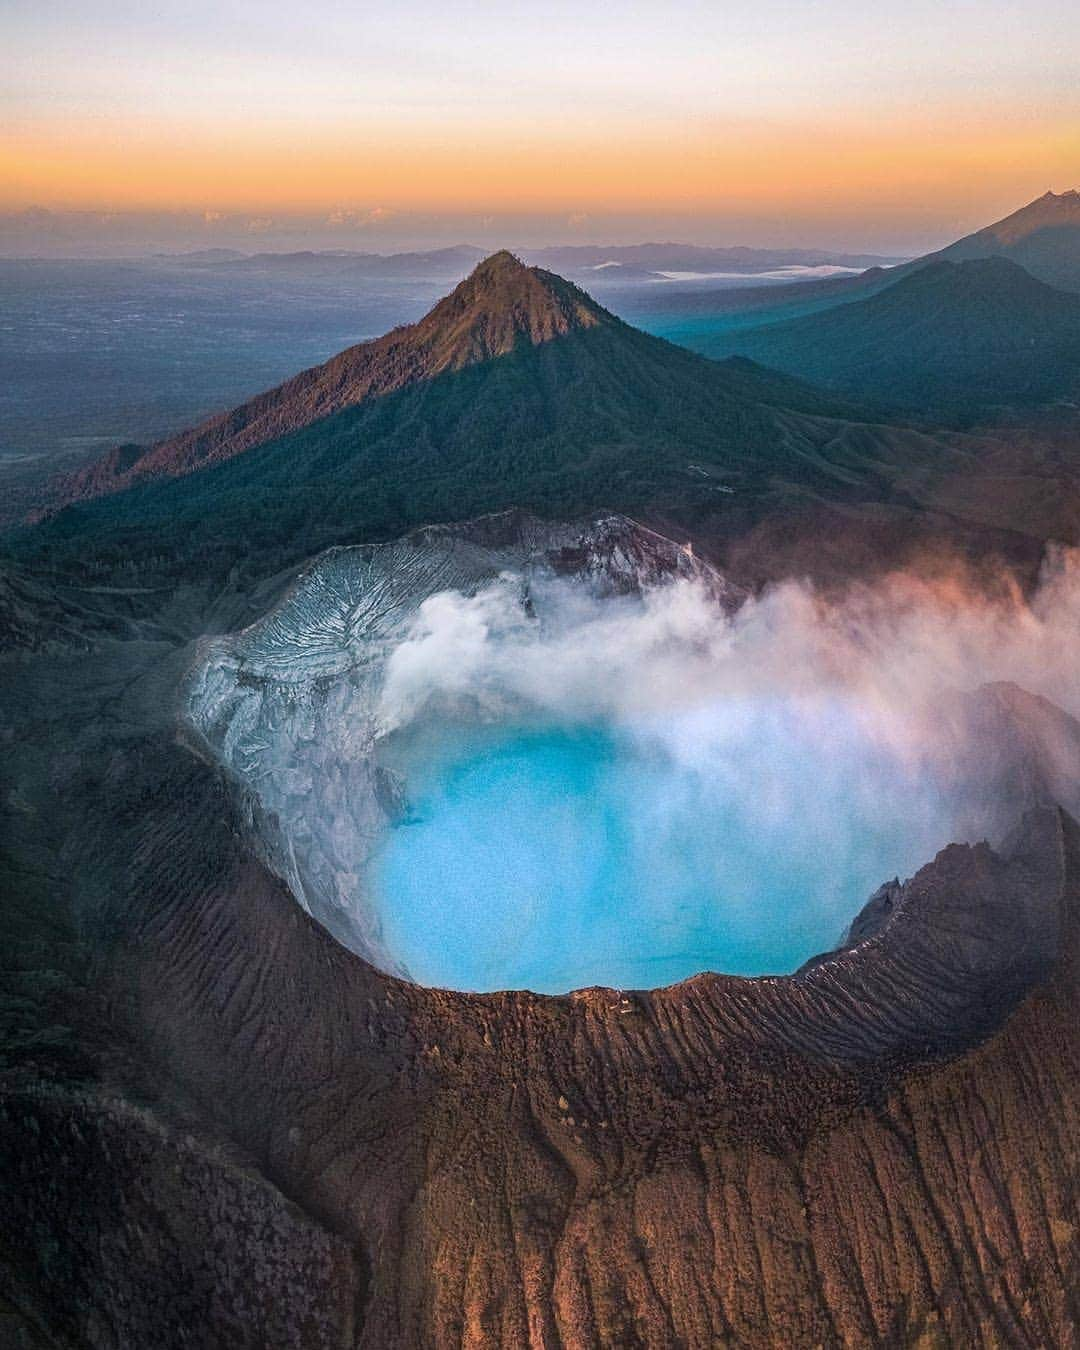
511,754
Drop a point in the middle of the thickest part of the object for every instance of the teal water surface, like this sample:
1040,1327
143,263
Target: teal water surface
554,859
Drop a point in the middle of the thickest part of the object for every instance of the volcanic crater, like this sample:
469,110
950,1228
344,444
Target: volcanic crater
468,827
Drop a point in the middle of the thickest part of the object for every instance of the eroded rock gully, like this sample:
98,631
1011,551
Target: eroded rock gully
799,1162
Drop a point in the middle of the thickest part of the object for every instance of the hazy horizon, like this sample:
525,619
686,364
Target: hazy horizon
42,232
419,125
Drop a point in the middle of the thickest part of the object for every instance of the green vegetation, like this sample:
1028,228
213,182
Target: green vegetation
606,418
955,339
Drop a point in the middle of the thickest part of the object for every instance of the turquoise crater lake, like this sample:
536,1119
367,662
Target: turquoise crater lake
562,857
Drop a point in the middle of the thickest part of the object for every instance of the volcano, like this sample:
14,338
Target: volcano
516,390
500,305
308,1150
954,335
1043,237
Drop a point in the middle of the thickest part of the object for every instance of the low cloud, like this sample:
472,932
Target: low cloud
361,220
822,726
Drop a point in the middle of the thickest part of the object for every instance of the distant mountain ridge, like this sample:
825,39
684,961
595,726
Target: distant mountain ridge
951,336
1042,237
636,260
412,263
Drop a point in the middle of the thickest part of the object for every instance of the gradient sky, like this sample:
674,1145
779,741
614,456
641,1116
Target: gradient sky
842,119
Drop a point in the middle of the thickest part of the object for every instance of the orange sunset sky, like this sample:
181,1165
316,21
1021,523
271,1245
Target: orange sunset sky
837,121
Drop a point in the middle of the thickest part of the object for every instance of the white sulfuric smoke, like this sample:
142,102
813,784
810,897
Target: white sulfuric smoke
889,652
770,767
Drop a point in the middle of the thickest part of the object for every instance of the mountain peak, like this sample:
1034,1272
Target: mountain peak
1043,237
502,263
500,308
501,305
1052,210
